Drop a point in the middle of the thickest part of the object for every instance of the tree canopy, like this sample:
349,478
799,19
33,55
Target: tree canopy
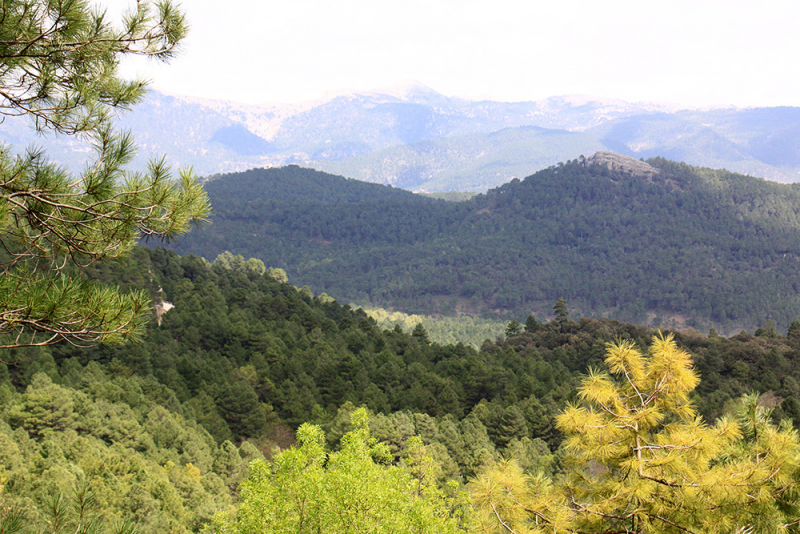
352,490
639,459
245,358
59,66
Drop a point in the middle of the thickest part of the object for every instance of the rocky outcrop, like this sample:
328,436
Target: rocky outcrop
162,307
618,162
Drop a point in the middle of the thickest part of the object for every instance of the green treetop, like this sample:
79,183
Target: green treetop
514,328
561,312
59,66
307,489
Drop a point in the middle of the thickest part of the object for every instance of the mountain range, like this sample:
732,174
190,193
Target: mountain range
418,139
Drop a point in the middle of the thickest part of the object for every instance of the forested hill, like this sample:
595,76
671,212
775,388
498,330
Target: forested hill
290,209
162,431
296,184
662,243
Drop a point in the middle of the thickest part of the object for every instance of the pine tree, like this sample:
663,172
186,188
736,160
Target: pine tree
531,324
59,67
420,333
561,311
514,328
794,330
640,460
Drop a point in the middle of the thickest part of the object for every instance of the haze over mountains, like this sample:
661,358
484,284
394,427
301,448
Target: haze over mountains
418,139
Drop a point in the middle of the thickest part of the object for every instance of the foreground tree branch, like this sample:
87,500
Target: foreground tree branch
59,66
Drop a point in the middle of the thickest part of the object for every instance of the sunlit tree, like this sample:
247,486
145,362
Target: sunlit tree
306,489
640,460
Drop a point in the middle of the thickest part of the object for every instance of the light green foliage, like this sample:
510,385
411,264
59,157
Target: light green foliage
58,66
75,512
532,455
305,358
135,461
237,263
478,448
388,319
640,460
45,408
278,274
441,329
307,489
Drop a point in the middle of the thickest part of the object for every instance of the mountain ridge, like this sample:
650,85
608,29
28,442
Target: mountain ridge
683,246
369,136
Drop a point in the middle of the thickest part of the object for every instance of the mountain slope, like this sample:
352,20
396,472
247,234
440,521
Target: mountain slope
665,242
474,162
379,130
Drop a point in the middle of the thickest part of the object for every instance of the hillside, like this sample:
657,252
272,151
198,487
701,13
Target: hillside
675,245
243,358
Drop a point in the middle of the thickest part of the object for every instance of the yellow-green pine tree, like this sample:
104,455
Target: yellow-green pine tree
640,460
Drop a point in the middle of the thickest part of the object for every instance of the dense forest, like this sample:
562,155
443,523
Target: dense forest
671,245
161,431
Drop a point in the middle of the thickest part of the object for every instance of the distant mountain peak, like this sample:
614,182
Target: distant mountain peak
619,162
410,90
582,100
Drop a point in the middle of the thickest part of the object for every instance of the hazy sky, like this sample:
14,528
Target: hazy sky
694,52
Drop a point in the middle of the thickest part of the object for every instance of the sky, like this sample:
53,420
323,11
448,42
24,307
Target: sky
694,53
